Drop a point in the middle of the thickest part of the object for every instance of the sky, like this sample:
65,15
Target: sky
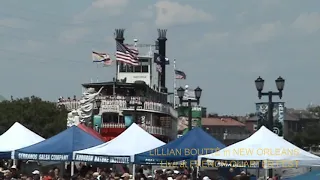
222,46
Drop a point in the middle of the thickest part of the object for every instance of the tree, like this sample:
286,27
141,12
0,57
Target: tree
41,117
308,137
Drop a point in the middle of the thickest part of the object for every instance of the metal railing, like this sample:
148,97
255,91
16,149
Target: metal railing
111,104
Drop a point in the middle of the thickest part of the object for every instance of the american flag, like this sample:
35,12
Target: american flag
127,55
180,74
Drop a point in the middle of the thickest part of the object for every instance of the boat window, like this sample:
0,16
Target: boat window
110,118
145,68
122,67
137,68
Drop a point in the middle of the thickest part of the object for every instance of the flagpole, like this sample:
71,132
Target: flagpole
174,83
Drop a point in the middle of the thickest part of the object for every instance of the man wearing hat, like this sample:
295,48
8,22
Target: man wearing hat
36,174
14,172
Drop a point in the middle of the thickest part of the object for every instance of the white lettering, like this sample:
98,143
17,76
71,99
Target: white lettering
281,112
27,156
44,157
59,157
139,77
101,159
80,157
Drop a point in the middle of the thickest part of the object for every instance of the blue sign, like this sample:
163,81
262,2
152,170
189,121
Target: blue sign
97,121
128,121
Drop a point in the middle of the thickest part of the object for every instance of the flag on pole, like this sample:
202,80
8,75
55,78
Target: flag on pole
159,68
101,58
180,74
157,59
134,50
126,55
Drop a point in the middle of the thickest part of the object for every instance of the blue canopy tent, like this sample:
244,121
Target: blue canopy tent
313,175
188,147
59,147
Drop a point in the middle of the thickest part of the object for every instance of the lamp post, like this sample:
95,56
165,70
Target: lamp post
259,82
197,92
135,106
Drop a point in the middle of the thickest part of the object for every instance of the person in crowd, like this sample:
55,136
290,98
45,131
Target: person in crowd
56,174
126,176
14,172
36,175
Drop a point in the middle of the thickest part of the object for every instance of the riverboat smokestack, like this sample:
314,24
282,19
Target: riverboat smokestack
162,33
119,33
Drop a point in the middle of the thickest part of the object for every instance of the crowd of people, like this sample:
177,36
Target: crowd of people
88,172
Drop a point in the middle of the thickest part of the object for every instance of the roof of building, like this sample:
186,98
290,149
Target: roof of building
220,122
292,115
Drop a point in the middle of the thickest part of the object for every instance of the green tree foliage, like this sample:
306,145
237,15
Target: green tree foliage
308,137
42,117
310,131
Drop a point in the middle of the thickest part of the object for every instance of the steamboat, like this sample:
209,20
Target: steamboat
137,94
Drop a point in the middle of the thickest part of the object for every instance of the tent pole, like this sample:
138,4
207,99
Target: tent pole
133,171
72,168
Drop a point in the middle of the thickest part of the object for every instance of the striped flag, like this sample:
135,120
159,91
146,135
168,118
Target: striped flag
101,57
127,55
180,74
134,50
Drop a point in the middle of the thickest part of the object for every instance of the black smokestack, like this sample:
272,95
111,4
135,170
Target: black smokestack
162,52
119,33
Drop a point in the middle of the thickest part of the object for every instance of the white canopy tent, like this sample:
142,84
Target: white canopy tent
132,141
18,136
264,145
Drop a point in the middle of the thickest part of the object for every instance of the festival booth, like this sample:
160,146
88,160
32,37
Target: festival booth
265,146
58,147
313,175
16,137
187,147
91,131
121,149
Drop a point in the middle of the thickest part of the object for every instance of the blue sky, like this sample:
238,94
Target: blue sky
222,46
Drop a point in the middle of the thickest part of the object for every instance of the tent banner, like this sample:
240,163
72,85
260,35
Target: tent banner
278,116
102,159
43,157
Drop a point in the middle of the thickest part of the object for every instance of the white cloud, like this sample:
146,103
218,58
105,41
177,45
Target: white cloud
33,46
110,4
13,23
308,22
73,35
240,17
148,13
172,13
25,46
216,36
101,8
263,33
